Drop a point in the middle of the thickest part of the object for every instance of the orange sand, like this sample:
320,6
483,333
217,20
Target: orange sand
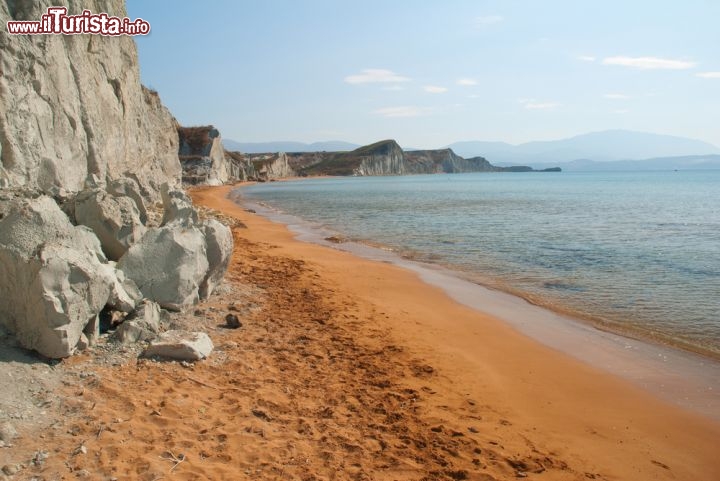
354,369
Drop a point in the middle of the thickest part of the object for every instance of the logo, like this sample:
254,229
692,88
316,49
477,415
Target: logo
56,21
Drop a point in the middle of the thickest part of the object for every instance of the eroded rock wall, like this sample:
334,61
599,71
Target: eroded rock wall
204,159
72,106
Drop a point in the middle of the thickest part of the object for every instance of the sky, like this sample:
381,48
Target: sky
434,72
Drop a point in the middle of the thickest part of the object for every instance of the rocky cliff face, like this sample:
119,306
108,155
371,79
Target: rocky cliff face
383,158
204,159
72,107
273,166
75,123
387,158
445,161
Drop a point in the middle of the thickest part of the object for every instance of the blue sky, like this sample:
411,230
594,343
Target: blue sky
430,73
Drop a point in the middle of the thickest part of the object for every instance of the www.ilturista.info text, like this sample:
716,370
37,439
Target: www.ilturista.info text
57,22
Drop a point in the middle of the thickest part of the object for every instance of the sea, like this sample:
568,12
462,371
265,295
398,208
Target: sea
637,253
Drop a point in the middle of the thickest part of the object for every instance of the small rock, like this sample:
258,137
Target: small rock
40,457
521,474
80,450
335,239
83,343
83,473
142,325
7,432
259,413
181,346
11,469
232,321
473,430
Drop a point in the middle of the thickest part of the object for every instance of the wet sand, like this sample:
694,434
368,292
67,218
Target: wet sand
347,368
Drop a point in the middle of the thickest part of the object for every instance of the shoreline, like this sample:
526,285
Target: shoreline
634,332
685,378
574,409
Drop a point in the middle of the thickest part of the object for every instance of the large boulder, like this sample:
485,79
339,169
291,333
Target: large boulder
168,264
53,280
184,259
219,245
29,223
114,219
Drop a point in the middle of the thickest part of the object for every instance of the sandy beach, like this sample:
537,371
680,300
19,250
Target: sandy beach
346,368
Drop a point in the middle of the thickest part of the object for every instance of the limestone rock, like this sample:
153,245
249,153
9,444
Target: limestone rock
55,293
56,276
386,158
219,243
204,159
90,334
128,187
202,156
143,325
168,264
114,219
33,222
7,432
178,208
240,167
124,293
181,346
274,167
83,342
72,106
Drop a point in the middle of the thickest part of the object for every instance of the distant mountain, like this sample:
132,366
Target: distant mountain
688,162
603,146
288,146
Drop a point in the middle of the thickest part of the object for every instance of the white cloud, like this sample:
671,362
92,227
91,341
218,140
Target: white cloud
375,75
466,82
434,89
541,105
487,20
708,74
649,63
532,104
404,111
586,58
616,96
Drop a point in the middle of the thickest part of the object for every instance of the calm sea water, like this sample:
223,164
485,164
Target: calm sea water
636,252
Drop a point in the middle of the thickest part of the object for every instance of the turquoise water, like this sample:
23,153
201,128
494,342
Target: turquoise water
634,252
